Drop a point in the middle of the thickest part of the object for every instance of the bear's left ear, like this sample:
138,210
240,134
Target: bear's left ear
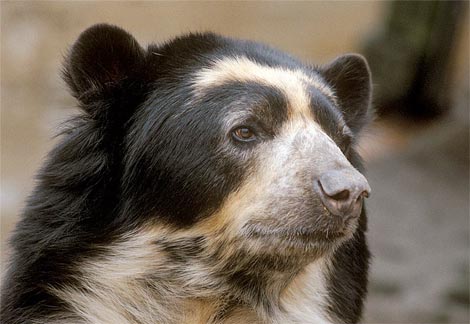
100,62
350,78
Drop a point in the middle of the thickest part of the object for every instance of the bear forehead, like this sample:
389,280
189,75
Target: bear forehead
295,85
241,68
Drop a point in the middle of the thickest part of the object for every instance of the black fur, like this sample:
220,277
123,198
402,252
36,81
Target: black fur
349,76
179,159
127,160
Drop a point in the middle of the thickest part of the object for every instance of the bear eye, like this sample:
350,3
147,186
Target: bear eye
244,134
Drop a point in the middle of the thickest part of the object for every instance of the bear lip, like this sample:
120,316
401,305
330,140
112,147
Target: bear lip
316,235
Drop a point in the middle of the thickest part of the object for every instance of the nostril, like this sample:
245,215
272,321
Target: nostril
361,197
338,195
343,195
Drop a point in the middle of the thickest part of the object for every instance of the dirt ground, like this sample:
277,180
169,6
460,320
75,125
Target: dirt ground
419,174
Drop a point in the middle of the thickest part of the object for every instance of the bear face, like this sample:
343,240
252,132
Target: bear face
231,134
227,138
206,167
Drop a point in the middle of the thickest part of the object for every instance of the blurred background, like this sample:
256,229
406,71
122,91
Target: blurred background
416,152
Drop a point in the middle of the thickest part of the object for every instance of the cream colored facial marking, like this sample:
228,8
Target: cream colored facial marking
292,82
279,163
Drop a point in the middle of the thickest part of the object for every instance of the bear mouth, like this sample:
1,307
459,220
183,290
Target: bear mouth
307,236
299,236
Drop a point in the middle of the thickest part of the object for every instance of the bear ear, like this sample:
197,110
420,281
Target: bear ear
101,61
349,75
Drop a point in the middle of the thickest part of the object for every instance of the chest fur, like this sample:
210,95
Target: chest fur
304,300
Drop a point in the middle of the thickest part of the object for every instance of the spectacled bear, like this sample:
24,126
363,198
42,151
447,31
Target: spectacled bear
206,180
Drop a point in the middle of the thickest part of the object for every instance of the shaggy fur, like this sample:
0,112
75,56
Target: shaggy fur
153,209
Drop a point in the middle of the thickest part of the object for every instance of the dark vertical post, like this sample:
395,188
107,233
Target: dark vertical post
409,58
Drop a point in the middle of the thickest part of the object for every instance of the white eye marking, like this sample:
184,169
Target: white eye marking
293,83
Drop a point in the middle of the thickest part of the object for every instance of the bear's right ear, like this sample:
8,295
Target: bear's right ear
101,62
349,75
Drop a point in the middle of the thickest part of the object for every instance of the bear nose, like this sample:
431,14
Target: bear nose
342,191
